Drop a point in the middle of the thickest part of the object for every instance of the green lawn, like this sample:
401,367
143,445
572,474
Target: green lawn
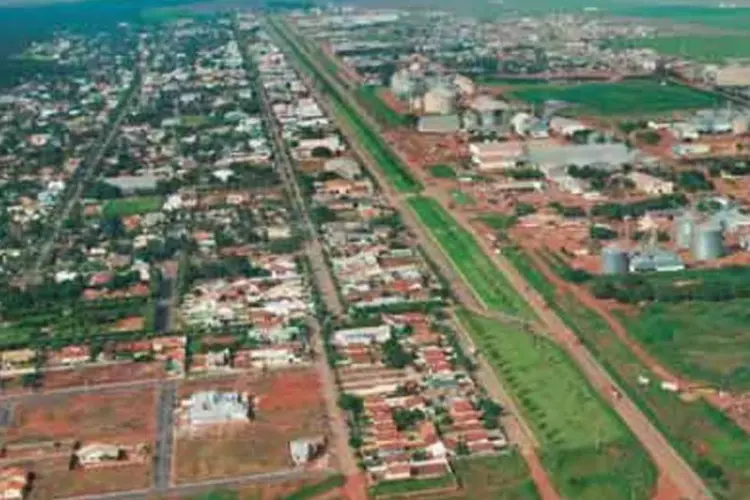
499,221
408,487
629,97
714,446
587,450
708,341
503,477
122,207
705,48
481,274
442,171
734,19
397,173
368,96
462,198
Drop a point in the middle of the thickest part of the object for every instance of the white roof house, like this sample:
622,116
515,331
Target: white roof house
214,407
365,335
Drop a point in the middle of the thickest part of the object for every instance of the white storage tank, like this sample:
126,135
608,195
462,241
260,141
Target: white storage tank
615,260
708,242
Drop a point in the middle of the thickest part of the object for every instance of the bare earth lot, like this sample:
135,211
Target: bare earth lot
290,405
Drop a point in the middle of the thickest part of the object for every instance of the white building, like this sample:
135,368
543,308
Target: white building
650,184
496,155
365,335
214,407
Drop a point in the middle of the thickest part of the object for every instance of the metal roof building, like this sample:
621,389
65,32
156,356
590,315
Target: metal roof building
605,155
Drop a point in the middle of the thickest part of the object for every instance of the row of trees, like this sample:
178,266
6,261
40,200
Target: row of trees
715,285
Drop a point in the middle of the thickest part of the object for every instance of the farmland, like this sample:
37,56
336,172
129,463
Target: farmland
630,97
706,48
124,207
712,16
585,447
717,449
289,406
487,281
706,341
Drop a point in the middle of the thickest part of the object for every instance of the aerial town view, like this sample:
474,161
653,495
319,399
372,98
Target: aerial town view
286,249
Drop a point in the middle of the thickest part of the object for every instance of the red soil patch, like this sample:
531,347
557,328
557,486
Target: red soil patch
122,416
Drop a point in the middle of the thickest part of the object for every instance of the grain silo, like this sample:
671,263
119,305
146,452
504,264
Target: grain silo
740,125
684,227
708,242
615,260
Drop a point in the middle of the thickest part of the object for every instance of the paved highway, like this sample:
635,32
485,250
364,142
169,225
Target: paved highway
664,456
164,435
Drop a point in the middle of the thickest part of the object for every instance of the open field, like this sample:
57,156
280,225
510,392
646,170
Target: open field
712,16
629,97
503,477
462,197
54,480
122,207
398,173
588,451
405,488
291,490
712,444
368,96
487,281
706,341
442,171
104,374
706,48
289,406
123,416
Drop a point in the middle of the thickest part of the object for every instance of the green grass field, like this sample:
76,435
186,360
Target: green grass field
487,281
462,198
368,96
629,97
713,16
408,487
708,341
704,48
715,447
398,174
442,171
587,450
503,477
123,207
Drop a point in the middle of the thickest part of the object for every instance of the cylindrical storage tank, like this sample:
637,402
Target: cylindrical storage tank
684,227
740,125
708,242
615,260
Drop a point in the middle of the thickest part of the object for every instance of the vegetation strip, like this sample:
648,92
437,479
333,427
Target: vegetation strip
391,165
588,451
478,270
707,439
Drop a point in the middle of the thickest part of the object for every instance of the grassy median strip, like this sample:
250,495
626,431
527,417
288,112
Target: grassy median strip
716,448
398,174
586,448
477,269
